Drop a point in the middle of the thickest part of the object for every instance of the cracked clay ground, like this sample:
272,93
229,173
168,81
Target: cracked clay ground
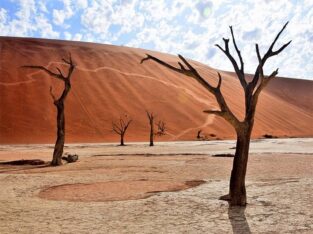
279,188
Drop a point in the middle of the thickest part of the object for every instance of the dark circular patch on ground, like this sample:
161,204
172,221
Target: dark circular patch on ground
114,190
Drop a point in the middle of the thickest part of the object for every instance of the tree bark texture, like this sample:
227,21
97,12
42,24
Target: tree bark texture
151,123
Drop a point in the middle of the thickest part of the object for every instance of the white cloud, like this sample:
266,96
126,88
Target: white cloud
45,28
26,21
3,16
96,17
59,16
67,36
82,4
26,9
3,20
187,27
22,24
42,6
77,37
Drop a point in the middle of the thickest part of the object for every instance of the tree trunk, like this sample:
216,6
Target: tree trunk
237,188
122,140
151,133
59,144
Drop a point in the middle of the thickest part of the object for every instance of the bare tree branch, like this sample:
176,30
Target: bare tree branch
162,63
238,51
181,66
192,72
161,128
270,49
70,61
258,52
150,115
60,72
260,67
121,127
58,76
215,112
219,81
264,83
281,48
116,128
268,54
127,124
226,51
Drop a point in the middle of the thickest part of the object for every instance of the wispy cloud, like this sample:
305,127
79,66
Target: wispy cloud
187,27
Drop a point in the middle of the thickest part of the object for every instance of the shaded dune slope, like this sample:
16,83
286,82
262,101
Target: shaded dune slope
109,82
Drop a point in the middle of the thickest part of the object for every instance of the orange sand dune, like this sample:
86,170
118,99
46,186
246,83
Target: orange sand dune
109,82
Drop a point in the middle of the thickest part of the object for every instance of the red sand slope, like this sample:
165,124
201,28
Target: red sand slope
109,82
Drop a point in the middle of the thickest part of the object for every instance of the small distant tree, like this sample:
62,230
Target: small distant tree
160,127
199,134
151,117
121,127
59,103
252,90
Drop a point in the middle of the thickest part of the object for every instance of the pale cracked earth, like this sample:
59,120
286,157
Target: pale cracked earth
279,188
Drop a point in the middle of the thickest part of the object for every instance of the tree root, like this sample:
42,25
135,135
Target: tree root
225,197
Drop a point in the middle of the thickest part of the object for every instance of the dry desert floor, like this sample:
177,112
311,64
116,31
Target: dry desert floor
172,187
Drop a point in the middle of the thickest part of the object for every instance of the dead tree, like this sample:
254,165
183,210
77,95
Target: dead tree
161,128
120,128
151,117
59,103
252,90
160,124
199,134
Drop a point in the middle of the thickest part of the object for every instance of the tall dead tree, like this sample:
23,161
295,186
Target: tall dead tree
252,90
151,117
59,103
160,130
120,128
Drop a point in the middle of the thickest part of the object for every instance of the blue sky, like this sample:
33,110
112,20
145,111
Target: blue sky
188,27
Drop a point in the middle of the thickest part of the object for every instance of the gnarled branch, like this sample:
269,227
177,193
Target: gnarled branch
239,72
264,82
237,50
122,125
150,115
192,72
59,75
219,81
259,71
215,112
55,75
161,128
